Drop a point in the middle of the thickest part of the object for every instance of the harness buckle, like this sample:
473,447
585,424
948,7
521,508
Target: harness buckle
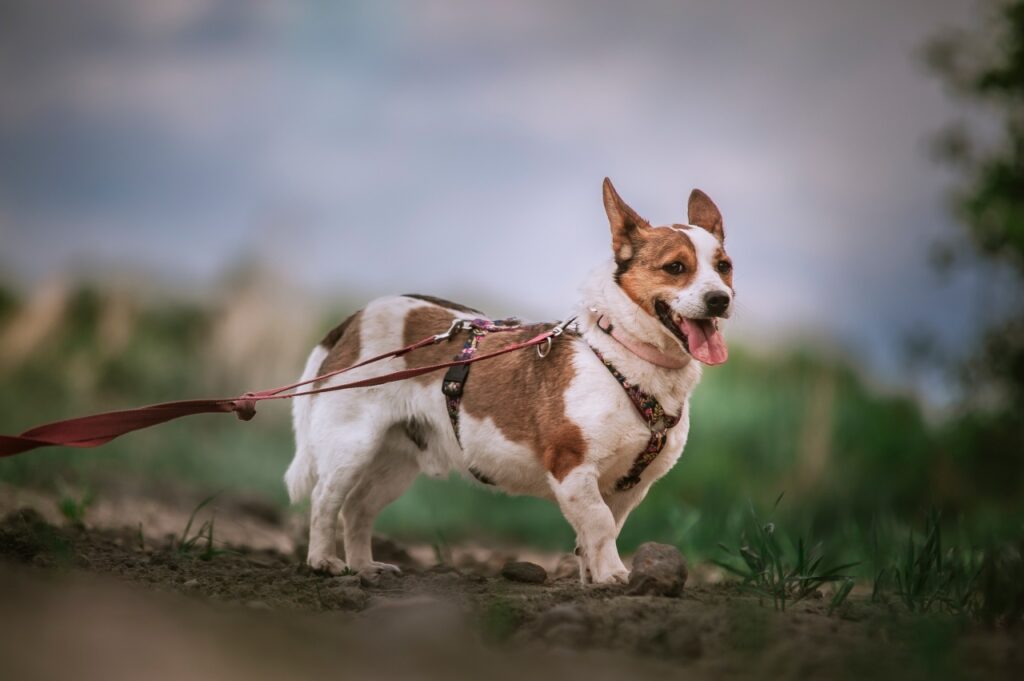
455,380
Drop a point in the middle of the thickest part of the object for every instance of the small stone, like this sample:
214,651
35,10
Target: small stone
658,570
522,571
191,584
257,605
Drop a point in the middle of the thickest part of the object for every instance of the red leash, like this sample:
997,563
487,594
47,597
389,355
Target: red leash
98,429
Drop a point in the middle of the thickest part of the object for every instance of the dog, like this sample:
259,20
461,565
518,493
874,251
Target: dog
590,425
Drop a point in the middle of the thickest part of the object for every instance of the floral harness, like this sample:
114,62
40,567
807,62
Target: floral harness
647,405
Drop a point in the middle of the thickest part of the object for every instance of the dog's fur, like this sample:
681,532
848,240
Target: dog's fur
558,427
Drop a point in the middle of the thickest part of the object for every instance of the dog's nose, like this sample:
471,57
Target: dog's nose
717,303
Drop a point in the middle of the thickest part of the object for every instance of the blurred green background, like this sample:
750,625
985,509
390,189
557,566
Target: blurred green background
853,460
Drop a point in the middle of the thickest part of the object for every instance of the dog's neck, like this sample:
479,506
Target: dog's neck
644,351
604,303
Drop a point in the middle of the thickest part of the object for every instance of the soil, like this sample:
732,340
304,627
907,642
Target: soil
115,600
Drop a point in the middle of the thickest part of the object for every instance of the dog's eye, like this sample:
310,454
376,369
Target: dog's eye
675,267
724,266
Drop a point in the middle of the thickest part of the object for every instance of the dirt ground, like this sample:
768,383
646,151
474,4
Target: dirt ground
119,597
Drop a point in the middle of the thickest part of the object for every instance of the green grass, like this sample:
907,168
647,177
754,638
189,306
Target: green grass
74,506
771,567
199,543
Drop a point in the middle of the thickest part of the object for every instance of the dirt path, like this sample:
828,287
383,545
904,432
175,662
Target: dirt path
115,600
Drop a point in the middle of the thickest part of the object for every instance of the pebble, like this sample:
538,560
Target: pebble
522,571
658,570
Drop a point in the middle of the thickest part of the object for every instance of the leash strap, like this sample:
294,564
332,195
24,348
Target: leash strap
98,429
455,378
653,414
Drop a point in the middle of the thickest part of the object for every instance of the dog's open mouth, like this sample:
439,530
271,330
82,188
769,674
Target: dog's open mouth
700,337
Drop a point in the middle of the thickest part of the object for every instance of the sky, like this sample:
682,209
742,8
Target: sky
458,148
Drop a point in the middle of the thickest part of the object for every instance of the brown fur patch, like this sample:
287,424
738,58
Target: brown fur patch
722,256
626,226
420,323
525,397
646,278
459,307
523,394
332,337
343,344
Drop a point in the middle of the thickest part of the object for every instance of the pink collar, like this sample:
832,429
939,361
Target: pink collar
644,351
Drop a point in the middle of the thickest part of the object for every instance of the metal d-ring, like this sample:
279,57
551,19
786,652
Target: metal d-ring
547,348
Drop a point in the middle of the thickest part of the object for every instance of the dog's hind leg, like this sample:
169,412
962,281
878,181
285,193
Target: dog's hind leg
347,453
390,473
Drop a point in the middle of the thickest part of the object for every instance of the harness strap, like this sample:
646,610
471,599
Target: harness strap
654,416
455,378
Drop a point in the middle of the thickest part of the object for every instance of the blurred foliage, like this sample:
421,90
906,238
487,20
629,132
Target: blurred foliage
985,68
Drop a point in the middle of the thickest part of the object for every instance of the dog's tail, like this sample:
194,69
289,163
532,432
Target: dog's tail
301,474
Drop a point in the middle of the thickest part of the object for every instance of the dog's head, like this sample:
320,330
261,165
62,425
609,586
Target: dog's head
678,274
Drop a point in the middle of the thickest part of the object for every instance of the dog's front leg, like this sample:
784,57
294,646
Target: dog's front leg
579,498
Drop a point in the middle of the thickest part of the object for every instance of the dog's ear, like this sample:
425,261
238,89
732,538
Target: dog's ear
702,212
625,223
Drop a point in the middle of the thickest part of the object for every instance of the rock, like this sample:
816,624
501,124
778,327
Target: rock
257,605
568,568
191,583
658,570
521,571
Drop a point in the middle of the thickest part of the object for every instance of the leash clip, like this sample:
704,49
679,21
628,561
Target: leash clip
543,350
457,325
560,329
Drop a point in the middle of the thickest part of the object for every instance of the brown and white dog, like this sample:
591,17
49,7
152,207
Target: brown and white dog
559,427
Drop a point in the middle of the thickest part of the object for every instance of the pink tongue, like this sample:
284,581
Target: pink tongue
705,341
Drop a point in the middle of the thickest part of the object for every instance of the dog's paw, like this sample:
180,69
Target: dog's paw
614,577
331,565
376,568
